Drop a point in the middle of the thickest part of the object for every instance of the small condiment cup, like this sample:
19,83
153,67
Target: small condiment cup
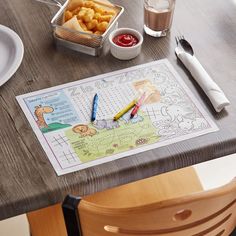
125,53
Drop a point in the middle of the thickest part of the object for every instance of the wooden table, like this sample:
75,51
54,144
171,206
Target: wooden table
27,179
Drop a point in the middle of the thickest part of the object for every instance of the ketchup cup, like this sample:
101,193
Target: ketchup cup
125,43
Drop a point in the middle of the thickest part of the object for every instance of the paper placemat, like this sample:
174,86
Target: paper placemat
60,116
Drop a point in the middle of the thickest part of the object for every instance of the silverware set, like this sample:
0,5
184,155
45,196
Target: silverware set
184,51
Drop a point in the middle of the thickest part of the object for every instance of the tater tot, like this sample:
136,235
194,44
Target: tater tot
81,14
89,4
89,14
92,17
87,17
76,11
68,15
111,12
102,26
106,18
73,4
97,15
98,32
92,24
84,27
98,10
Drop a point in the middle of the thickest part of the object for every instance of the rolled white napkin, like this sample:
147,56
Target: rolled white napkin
211,89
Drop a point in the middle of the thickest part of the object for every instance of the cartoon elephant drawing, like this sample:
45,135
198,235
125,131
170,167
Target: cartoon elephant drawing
176,112
134,120
106,124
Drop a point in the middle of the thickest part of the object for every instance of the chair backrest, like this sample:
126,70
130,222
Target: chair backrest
205,213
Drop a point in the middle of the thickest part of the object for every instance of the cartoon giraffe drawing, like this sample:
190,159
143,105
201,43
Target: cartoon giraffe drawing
39,112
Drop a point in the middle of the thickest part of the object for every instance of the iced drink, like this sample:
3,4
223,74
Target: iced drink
158,16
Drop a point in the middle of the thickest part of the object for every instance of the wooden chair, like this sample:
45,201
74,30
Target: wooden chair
132,209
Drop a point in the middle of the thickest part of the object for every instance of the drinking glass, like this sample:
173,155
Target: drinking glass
158,15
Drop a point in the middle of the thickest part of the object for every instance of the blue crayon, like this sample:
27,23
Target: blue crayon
95,107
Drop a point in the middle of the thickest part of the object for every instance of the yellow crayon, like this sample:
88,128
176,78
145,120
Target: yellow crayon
124,110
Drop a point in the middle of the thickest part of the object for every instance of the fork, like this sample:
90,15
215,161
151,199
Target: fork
178,38
185,45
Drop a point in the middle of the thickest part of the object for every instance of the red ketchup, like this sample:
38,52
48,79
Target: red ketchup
125,40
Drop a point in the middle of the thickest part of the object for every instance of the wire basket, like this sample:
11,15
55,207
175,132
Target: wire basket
77,40
87,39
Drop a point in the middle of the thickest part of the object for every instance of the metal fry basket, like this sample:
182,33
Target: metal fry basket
87,43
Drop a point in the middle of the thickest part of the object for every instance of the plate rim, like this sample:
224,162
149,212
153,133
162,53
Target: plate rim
18,55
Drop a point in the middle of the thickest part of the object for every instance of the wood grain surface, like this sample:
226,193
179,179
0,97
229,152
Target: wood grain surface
27,179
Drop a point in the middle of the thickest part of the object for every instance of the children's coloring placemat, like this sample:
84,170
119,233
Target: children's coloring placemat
60,116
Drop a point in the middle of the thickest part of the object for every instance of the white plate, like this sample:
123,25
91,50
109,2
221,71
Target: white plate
12,50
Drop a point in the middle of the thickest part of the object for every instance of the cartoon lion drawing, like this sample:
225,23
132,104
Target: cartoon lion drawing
84,130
